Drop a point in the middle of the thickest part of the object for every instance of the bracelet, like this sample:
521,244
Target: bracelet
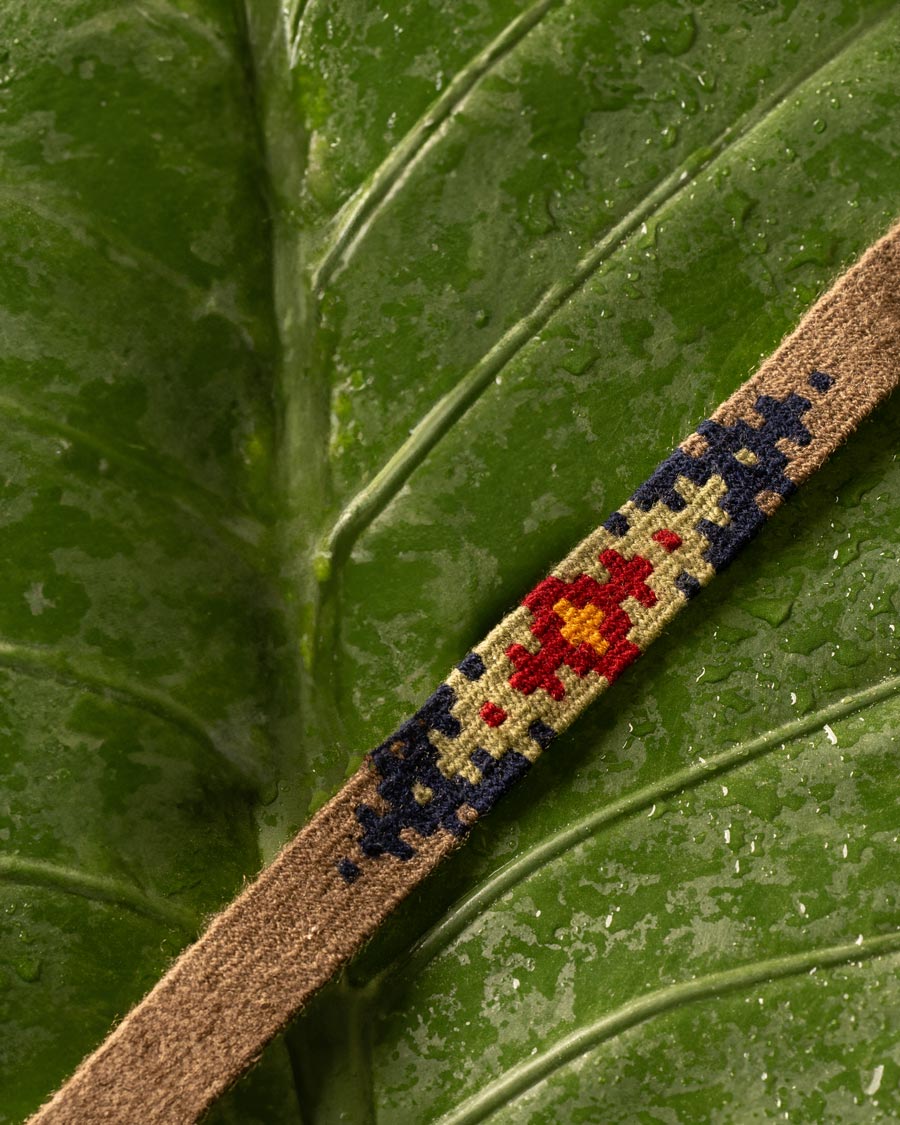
417,795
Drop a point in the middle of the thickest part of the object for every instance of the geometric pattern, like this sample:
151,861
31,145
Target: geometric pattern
576,632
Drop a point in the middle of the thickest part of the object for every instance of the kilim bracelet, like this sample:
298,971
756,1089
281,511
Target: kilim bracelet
417,795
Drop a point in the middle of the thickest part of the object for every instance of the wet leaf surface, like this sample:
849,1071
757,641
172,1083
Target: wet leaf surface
518,252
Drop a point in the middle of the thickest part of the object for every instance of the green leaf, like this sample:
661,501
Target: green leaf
325,331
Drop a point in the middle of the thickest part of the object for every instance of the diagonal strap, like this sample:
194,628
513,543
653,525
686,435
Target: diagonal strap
416,796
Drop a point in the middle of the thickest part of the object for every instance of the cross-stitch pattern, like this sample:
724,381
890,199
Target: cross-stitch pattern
580,628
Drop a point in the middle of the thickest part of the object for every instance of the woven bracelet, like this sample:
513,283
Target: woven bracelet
416,796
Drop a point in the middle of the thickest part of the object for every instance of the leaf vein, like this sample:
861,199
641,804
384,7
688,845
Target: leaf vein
362,208
45,663
464,913
154,12
524,1076
24,871
366,504
170,486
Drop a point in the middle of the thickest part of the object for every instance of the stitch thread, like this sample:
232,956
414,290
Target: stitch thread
582,626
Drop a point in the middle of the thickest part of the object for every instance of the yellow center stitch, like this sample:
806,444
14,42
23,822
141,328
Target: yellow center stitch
582,625
746,456
422,793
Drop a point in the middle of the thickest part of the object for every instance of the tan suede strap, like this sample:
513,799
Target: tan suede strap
415,796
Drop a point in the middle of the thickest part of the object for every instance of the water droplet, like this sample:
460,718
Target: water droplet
579,358
268,793
669,136
760,244
28,968
851,655
535,213
819,125
875,1083
715,673
774,611
739,206
672,41
697,160
816,248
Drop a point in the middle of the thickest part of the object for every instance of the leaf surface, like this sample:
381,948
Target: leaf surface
326,331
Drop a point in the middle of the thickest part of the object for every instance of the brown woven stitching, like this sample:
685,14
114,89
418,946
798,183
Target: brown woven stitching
853,333
259,961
